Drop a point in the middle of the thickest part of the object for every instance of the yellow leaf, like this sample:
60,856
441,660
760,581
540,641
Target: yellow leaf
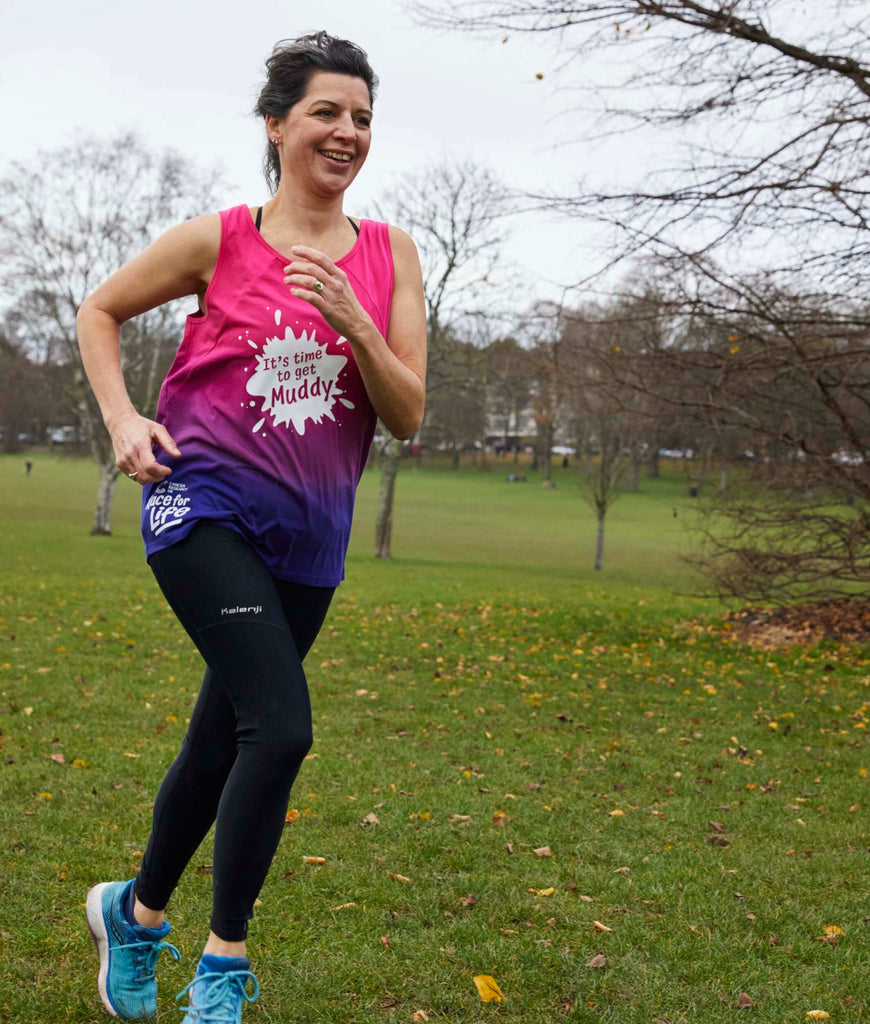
399,878
45,796
27,711
314,860
78,763
487,988
599,927
833,929
344,906
816,1015
291,815
543,851
617,813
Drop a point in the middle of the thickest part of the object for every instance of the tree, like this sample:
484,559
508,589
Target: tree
756,227
70,218
455,212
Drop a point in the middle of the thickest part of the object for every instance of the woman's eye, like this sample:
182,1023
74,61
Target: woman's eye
364,121
328,113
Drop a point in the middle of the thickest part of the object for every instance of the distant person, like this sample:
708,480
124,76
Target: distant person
28,467
310,327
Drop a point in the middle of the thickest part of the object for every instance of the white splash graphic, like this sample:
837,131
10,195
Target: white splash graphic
297,380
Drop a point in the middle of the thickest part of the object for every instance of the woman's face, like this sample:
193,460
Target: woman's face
325,137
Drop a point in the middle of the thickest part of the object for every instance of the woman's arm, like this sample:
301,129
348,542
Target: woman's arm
393,369
179,263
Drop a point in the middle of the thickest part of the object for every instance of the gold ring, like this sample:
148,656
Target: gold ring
317,286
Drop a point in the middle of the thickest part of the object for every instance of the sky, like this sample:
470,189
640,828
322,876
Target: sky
186,75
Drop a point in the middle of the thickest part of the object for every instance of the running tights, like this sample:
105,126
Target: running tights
250,728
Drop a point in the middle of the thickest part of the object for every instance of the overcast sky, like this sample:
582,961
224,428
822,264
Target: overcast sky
186,74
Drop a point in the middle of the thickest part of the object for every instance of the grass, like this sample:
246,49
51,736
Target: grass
484,694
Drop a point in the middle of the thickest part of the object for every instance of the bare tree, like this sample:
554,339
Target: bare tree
756,224
70,218
455,212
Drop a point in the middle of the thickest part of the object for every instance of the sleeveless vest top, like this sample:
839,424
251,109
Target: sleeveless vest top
267,405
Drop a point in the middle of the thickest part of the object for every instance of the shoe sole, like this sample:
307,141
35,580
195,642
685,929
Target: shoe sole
97,928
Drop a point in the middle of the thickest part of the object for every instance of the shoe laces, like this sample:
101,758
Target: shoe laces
146,952
222,996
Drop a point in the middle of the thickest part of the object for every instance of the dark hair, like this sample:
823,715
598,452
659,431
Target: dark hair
288,71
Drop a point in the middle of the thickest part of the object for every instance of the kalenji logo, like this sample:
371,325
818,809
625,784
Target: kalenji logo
239,610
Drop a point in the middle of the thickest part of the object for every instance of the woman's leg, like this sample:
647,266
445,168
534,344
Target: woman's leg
252,725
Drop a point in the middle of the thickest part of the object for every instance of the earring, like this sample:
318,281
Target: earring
276,142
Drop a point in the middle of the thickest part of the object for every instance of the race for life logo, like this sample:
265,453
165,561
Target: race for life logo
167,506
297,380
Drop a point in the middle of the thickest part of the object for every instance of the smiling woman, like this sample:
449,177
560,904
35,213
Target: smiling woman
310,326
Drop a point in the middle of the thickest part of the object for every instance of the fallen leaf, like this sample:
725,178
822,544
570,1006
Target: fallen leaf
291,816
543,851
385,941
487,988
419,1015
599,960
343,906
599,927
509,931
399,878
371,819
57,758
509,847
314,860
132,756
717,826
467,901
621,871
744,1000
816,1015
79,763
499,819
586,899
455,819
27,711
617,813
833,929
543,892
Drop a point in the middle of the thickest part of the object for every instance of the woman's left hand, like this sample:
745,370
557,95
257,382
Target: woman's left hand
334,297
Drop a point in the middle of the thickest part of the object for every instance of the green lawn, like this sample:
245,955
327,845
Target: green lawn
485,694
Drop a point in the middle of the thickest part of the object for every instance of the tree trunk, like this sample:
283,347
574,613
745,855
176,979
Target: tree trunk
653,465
702,474
723,479
454,456
599,542
634,472
103,513
384,524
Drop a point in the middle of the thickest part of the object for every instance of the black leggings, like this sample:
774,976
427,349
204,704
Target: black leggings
250,728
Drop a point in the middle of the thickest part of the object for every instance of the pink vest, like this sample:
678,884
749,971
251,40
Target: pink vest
267,405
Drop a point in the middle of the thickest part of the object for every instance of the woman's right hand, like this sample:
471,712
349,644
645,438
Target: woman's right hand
133,439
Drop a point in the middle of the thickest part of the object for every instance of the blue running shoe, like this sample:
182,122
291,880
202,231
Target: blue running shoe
218,990
127,952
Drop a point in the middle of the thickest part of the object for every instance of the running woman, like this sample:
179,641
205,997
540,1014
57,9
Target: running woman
310,326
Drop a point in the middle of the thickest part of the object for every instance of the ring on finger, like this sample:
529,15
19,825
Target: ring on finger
317,286
132,475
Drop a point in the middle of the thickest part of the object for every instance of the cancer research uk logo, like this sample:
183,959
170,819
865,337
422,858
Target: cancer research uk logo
167,506
297,380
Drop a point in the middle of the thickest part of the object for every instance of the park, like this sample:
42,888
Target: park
585,786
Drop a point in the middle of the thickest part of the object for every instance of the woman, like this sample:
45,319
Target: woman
248,475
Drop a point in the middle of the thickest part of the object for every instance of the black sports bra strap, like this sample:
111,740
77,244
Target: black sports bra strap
260,218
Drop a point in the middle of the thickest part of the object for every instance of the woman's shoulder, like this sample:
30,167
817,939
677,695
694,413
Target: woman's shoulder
404,250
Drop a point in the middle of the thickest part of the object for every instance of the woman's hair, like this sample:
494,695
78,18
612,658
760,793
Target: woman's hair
289,69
